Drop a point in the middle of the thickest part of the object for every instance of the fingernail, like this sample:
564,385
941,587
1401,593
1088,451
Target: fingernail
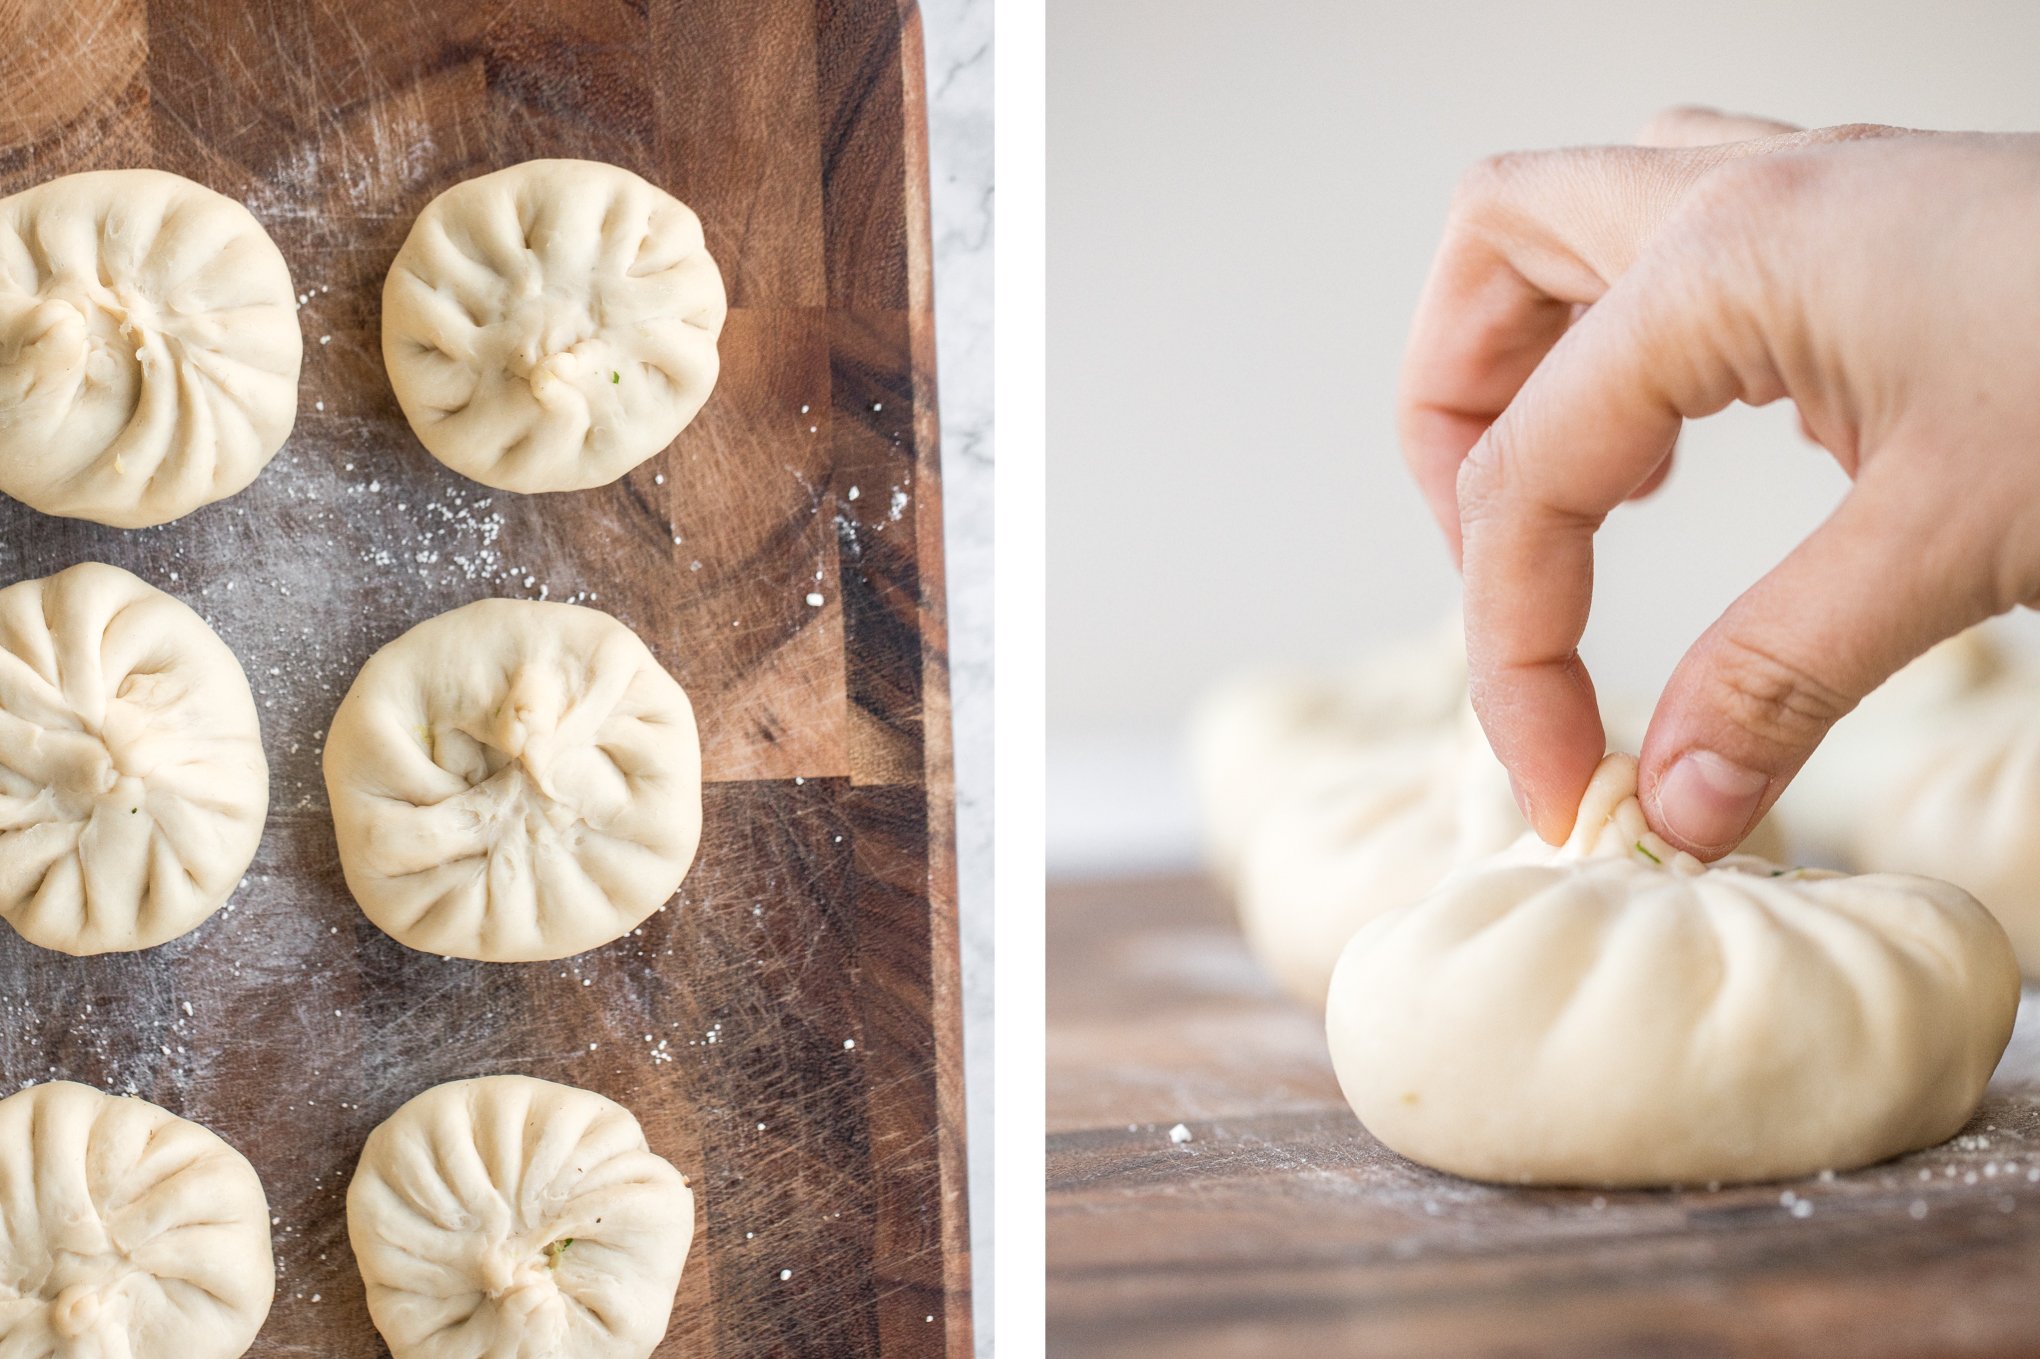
1708,801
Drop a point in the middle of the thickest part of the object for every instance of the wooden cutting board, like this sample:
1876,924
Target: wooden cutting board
787,1030
1271,1224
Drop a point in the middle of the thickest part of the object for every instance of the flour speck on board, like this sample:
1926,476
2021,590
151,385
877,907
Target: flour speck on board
1179,1134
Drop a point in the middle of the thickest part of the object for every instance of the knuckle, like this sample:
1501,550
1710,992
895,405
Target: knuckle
1854,132
1726,256
1773,698
1748,189
1484,477
1493,179
1757,187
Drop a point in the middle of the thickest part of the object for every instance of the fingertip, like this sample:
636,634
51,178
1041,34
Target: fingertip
1704,780
1557,804
1545,727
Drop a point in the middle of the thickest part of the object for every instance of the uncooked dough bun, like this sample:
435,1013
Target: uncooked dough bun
132,781
1965,806
1376,832
514,781
125,1232
550,326
1614,1012
1867,755
149,347
1260,735
515,1217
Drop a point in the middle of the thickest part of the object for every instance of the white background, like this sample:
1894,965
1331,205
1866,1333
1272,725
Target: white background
1243,201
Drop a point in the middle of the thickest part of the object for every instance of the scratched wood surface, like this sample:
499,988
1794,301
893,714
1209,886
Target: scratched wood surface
1273,1225
787,1030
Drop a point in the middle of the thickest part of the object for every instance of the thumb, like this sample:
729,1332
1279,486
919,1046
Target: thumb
1757,693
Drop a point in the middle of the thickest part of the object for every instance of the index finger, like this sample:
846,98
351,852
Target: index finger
1587,428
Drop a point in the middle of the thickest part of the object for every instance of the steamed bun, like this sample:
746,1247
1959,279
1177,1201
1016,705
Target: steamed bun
1614,1012
132,781
512,1216
514,781
149,347
125,1231
550,326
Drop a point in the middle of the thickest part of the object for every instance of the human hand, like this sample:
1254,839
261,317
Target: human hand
1585,303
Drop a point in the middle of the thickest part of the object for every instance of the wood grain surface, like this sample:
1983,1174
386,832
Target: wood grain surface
788,1029
1280,1228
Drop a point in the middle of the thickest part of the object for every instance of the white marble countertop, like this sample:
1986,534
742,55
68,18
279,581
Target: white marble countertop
958,35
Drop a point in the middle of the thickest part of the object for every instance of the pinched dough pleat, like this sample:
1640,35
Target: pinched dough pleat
514,781
132,780
149,347
125,1231
508,1216
550,326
